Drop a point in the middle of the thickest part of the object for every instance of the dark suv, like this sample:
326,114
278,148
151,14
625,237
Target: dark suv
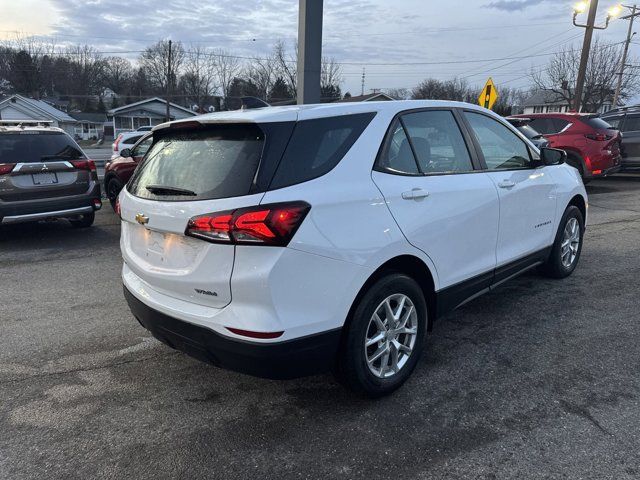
592,145
45,174
627,120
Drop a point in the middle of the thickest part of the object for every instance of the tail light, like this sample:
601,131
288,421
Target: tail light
116,143
84,165
6,168
599,137
273,224
117,207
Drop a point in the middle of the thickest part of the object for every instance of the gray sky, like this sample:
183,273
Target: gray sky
421,38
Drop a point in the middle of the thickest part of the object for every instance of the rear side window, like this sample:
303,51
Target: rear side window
206,164
632,124
33,146
131,140
596,122
317,146
615,122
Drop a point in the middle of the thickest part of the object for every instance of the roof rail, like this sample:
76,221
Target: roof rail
26,123
623,109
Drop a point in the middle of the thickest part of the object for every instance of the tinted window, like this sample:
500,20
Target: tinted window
529,132
632,123
559,124
131,140
614,122
543,125
437,141
33,146
596,122
142,148
217,162
500,146
316,146
397,156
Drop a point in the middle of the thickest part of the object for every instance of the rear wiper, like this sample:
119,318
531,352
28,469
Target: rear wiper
163,190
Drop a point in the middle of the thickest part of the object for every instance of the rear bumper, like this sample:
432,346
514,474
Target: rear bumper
32,210
604,173
276,360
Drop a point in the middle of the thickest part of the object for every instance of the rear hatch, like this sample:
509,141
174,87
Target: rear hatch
609,138
189,173
37,164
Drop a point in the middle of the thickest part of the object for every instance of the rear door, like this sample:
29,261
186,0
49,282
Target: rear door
443,205
526,189
188,173
631,139
44,164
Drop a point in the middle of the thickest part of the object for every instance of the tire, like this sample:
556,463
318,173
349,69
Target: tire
576,162
353,368
112,189
562,264
84,221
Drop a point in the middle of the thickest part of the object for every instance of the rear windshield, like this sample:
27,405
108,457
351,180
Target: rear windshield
33,146
206,164
596,122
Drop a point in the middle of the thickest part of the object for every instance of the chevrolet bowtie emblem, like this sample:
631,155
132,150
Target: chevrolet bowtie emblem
141,219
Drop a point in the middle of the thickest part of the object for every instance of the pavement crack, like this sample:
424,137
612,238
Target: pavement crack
86,369
584,413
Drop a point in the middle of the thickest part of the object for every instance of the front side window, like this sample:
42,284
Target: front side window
501,148
615,122
141,148
437,142
632,123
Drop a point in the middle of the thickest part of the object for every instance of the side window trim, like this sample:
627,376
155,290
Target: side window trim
479,152
462,126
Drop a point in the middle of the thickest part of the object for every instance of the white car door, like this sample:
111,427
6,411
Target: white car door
443,205
526,188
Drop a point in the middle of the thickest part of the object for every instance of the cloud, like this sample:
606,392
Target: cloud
513,5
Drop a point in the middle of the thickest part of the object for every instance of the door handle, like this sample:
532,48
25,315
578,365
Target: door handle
414,194
507,184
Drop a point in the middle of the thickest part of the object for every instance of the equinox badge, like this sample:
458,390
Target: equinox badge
142,219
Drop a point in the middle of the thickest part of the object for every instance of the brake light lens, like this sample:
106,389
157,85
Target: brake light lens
273,224
6,168
599,137
84,165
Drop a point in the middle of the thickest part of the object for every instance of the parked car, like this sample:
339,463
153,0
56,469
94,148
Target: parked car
146,128
627,120
118,170
524,127
45,174
125,140
592,146
290,240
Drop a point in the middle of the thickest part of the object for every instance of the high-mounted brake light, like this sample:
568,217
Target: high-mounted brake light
6,168
84,165
272,224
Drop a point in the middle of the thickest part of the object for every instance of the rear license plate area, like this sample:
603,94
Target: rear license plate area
45,178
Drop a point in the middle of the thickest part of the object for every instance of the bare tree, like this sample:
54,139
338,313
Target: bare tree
118,73
559,76
87,71
434,89
399,93
287,65
155,61
198,79
262,72
227,67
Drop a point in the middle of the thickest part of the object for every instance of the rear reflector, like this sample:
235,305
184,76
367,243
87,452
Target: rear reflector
249,333
597,172
6,168
88,165
272,224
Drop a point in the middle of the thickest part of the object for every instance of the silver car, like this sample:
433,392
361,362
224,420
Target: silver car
45,174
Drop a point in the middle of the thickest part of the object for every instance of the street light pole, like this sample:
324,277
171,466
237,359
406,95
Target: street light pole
309,51
623,61
168,113
586,46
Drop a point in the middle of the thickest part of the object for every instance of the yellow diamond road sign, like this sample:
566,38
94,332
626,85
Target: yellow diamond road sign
489,95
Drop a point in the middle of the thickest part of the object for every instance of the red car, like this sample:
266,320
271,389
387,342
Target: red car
118,171
592,145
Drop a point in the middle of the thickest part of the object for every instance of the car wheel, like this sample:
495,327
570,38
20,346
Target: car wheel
113,190
83,221
384,338
567,247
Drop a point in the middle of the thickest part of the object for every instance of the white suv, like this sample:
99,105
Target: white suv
285,241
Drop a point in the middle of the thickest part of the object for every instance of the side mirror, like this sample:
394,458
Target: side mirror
126,153
552,156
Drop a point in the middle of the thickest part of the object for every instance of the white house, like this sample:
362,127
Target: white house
17,107
151,111
90,126
546,101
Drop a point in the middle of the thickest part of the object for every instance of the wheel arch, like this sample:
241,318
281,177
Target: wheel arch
579,201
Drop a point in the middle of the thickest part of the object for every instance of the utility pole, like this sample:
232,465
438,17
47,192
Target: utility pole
630,34
586,46
309,51
168,113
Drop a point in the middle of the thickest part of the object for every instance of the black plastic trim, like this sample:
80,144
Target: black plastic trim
300,357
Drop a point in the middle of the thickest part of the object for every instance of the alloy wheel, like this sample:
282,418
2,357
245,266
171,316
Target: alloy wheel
570,242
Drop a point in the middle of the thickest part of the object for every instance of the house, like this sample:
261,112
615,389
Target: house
547,101
370,97
90,126
151,111
17,107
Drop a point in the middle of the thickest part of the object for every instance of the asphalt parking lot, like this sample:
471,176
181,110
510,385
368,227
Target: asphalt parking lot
539,379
